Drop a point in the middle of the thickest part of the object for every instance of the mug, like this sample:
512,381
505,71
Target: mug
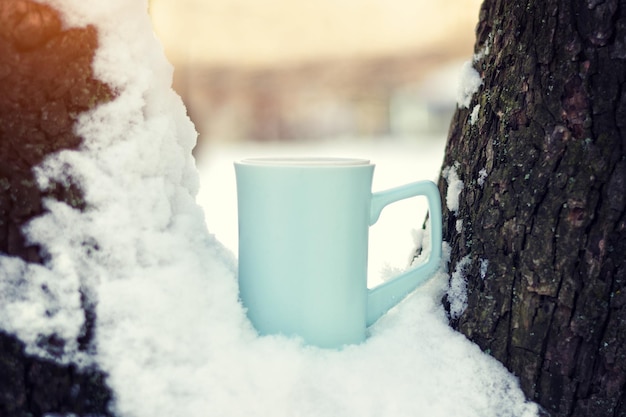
303,246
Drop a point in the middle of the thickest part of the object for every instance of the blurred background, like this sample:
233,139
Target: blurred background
298,70
374,79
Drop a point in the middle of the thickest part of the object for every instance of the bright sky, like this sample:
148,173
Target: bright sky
261,32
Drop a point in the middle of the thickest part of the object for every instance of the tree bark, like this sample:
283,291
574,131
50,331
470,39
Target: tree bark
46,81
540,231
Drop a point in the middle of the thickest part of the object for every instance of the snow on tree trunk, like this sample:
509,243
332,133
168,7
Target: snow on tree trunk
46,81
539,235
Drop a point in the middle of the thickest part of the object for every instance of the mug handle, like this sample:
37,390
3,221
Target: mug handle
386,295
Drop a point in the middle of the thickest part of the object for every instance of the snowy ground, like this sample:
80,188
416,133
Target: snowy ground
170,332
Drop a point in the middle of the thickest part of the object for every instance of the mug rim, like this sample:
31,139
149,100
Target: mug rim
305,161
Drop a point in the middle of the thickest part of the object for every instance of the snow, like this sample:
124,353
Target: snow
34,302
170,332
457,291
484,265
470,82
474,114
455,186
482,176
459,226
485,50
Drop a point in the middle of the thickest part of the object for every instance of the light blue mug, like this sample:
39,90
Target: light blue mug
303,243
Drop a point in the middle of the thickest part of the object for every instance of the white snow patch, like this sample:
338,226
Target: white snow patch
457,292
474,114
455,186
36,303
469,84
482,176
486,49
484,264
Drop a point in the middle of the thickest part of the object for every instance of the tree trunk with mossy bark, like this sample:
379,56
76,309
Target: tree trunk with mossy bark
540,230
46,81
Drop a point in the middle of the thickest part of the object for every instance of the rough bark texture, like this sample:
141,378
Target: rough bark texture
46,81
543,204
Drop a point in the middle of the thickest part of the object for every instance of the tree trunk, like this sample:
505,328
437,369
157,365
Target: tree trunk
540,229
46,81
